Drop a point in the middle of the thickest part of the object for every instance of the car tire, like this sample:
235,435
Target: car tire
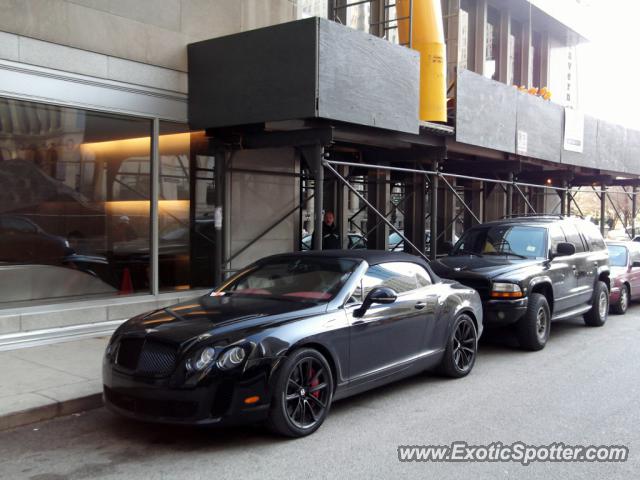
303,393
533,328
597,315
462,348
620,307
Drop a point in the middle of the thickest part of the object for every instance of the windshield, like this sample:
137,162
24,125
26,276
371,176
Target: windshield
508,240
617,255
298,279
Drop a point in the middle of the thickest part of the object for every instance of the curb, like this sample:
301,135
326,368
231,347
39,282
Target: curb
53,410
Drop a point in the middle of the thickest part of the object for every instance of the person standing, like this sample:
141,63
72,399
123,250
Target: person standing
330,233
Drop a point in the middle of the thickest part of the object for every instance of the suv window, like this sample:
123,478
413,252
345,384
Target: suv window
573,236
509,239
593,236
556,235
399,276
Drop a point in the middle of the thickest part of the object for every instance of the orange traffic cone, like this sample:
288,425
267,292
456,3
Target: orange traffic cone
126,285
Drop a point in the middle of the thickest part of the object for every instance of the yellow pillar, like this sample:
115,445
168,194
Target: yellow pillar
427,37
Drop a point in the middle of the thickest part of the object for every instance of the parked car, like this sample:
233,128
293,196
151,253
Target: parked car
532,270
624,261
288,335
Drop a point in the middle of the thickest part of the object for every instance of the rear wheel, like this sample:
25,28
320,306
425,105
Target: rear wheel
533,328
462,348
620,307
303,394
597,316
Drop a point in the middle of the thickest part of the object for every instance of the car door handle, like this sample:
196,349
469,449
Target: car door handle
420,305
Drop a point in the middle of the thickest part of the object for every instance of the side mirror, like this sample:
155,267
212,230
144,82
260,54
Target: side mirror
565,249
635,264
447,248
381,295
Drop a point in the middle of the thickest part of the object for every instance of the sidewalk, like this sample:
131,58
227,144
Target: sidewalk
39,383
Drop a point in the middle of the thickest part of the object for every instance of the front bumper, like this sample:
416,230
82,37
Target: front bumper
504,312
216,399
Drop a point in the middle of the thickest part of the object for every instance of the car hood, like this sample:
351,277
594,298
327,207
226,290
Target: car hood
226,317
489,266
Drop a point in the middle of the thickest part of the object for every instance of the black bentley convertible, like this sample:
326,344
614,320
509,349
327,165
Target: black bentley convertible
288,335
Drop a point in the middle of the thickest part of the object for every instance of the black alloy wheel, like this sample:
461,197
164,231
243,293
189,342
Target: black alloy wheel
462,348
303,394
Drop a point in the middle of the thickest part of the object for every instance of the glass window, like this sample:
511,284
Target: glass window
466,34
571,232
492,50
399,276
556,235
592,235
311,8
74,202
422,277
180,235
302,279
617,255
516,240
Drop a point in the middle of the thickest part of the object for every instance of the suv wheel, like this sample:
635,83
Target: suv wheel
597,316
623,302
533,328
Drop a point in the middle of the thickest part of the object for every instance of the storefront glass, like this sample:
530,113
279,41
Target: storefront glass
75,200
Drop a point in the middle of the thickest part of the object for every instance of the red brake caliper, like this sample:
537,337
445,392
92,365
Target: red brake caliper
314,382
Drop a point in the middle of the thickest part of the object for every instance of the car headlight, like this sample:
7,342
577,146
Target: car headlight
201,360
506,290
232,358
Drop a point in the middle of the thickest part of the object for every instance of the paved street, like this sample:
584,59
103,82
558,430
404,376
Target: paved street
583,388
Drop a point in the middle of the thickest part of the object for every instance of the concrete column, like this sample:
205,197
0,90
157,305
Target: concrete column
509,195
563,199
544,61
526,54
481,36
505,32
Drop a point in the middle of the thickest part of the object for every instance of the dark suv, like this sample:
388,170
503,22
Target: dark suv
531,270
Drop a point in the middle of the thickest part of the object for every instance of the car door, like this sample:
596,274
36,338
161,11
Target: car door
634,272
582,267
561,273
387,336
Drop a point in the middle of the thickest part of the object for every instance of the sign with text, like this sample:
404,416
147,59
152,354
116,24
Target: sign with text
573,130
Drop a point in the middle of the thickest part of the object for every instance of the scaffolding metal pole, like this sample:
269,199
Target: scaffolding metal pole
509,193
634,211
314,154
603,199
373,209
433,215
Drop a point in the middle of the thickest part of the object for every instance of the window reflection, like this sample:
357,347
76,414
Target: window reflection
74,186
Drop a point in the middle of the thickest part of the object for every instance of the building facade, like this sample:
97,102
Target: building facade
114,201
